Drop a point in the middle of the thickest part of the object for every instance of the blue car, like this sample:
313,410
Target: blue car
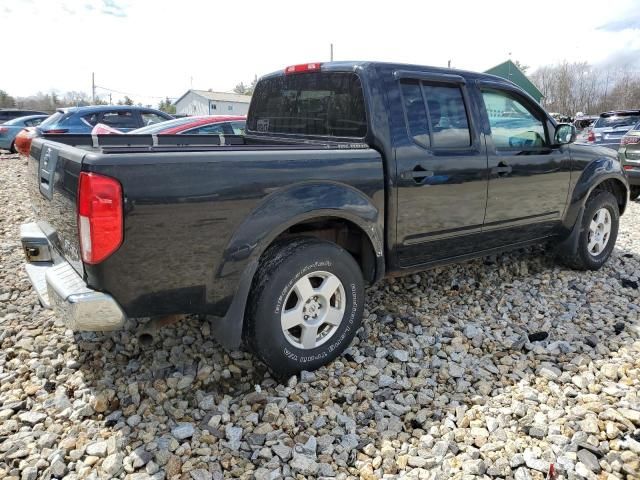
10,129
83,119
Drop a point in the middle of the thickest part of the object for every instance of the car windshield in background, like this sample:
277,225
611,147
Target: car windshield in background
15,121
323,104
615,121
158,127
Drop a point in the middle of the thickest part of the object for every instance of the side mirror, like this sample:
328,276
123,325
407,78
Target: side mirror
565,133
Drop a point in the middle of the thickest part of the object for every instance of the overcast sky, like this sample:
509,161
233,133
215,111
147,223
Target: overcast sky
158,48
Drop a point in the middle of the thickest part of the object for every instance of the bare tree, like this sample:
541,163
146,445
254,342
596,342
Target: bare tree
569,88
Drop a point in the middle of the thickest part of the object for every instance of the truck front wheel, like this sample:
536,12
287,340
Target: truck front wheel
598,232
305,305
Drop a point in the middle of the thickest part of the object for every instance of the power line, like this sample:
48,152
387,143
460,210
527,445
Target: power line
129,94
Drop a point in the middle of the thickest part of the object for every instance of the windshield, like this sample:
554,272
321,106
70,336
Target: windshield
324,104
17,121
615,121
159,127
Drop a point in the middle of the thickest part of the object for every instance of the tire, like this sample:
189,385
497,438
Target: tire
306,284
588,255
634,192
12,148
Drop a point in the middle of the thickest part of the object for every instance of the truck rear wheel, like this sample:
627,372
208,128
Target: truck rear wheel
305,305
634,192
598,232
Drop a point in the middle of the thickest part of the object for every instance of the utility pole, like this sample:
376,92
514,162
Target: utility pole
93,88
109,99
332,52
449,64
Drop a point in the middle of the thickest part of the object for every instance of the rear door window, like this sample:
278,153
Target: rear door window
151,118
436,115
238,127
213,129
120,119
317,104
33,122
91,119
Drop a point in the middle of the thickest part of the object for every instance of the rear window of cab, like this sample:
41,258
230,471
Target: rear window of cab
327,104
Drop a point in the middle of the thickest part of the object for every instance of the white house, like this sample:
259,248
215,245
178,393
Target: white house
205,102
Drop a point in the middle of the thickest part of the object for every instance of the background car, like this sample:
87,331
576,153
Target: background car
83,119
10,129
7,114
201,125
610,127
629,155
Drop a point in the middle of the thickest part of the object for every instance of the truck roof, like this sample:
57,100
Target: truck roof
352,65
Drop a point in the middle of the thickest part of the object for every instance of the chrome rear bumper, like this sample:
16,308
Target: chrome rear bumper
60,287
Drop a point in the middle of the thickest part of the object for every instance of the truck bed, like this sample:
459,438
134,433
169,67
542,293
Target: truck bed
194,207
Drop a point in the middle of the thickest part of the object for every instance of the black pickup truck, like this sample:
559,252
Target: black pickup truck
348,172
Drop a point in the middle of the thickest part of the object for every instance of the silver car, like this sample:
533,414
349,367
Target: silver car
610,127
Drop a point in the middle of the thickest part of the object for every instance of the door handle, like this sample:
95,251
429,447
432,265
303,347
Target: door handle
419,174
502,169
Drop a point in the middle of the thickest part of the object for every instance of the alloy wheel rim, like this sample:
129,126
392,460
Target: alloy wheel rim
599,232
313,310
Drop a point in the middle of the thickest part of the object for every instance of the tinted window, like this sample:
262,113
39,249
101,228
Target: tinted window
440,122
449,124
119,119
91,119
165,125
238,127
326,104
513,126
214,129
150,118
33,122
416,112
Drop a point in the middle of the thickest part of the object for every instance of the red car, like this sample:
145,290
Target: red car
204,125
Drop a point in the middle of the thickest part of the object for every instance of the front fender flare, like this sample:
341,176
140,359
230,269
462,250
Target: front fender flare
596,172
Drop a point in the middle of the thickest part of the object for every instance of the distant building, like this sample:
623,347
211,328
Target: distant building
510,71
204,102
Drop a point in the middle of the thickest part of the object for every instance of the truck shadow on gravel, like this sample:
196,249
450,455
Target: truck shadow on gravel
433,345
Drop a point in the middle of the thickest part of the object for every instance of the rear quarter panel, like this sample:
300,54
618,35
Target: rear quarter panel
194,220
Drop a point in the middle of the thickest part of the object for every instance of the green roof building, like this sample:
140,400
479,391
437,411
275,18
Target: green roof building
510,71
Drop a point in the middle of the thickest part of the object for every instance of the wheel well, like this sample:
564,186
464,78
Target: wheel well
341,232
617,188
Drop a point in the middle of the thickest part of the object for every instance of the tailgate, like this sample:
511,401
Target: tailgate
54,169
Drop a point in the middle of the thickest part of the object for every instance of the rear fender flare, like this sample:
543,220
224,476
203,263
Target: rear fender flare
273,216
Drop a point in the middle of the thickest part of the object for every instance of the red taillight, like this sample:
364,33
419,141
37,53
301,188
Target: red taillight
99,216
22,141
591,137
55,130
628,167
626,140
4,129
303,68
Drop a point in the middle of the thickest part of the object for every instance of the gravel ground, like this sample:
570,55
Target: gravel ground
496,368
